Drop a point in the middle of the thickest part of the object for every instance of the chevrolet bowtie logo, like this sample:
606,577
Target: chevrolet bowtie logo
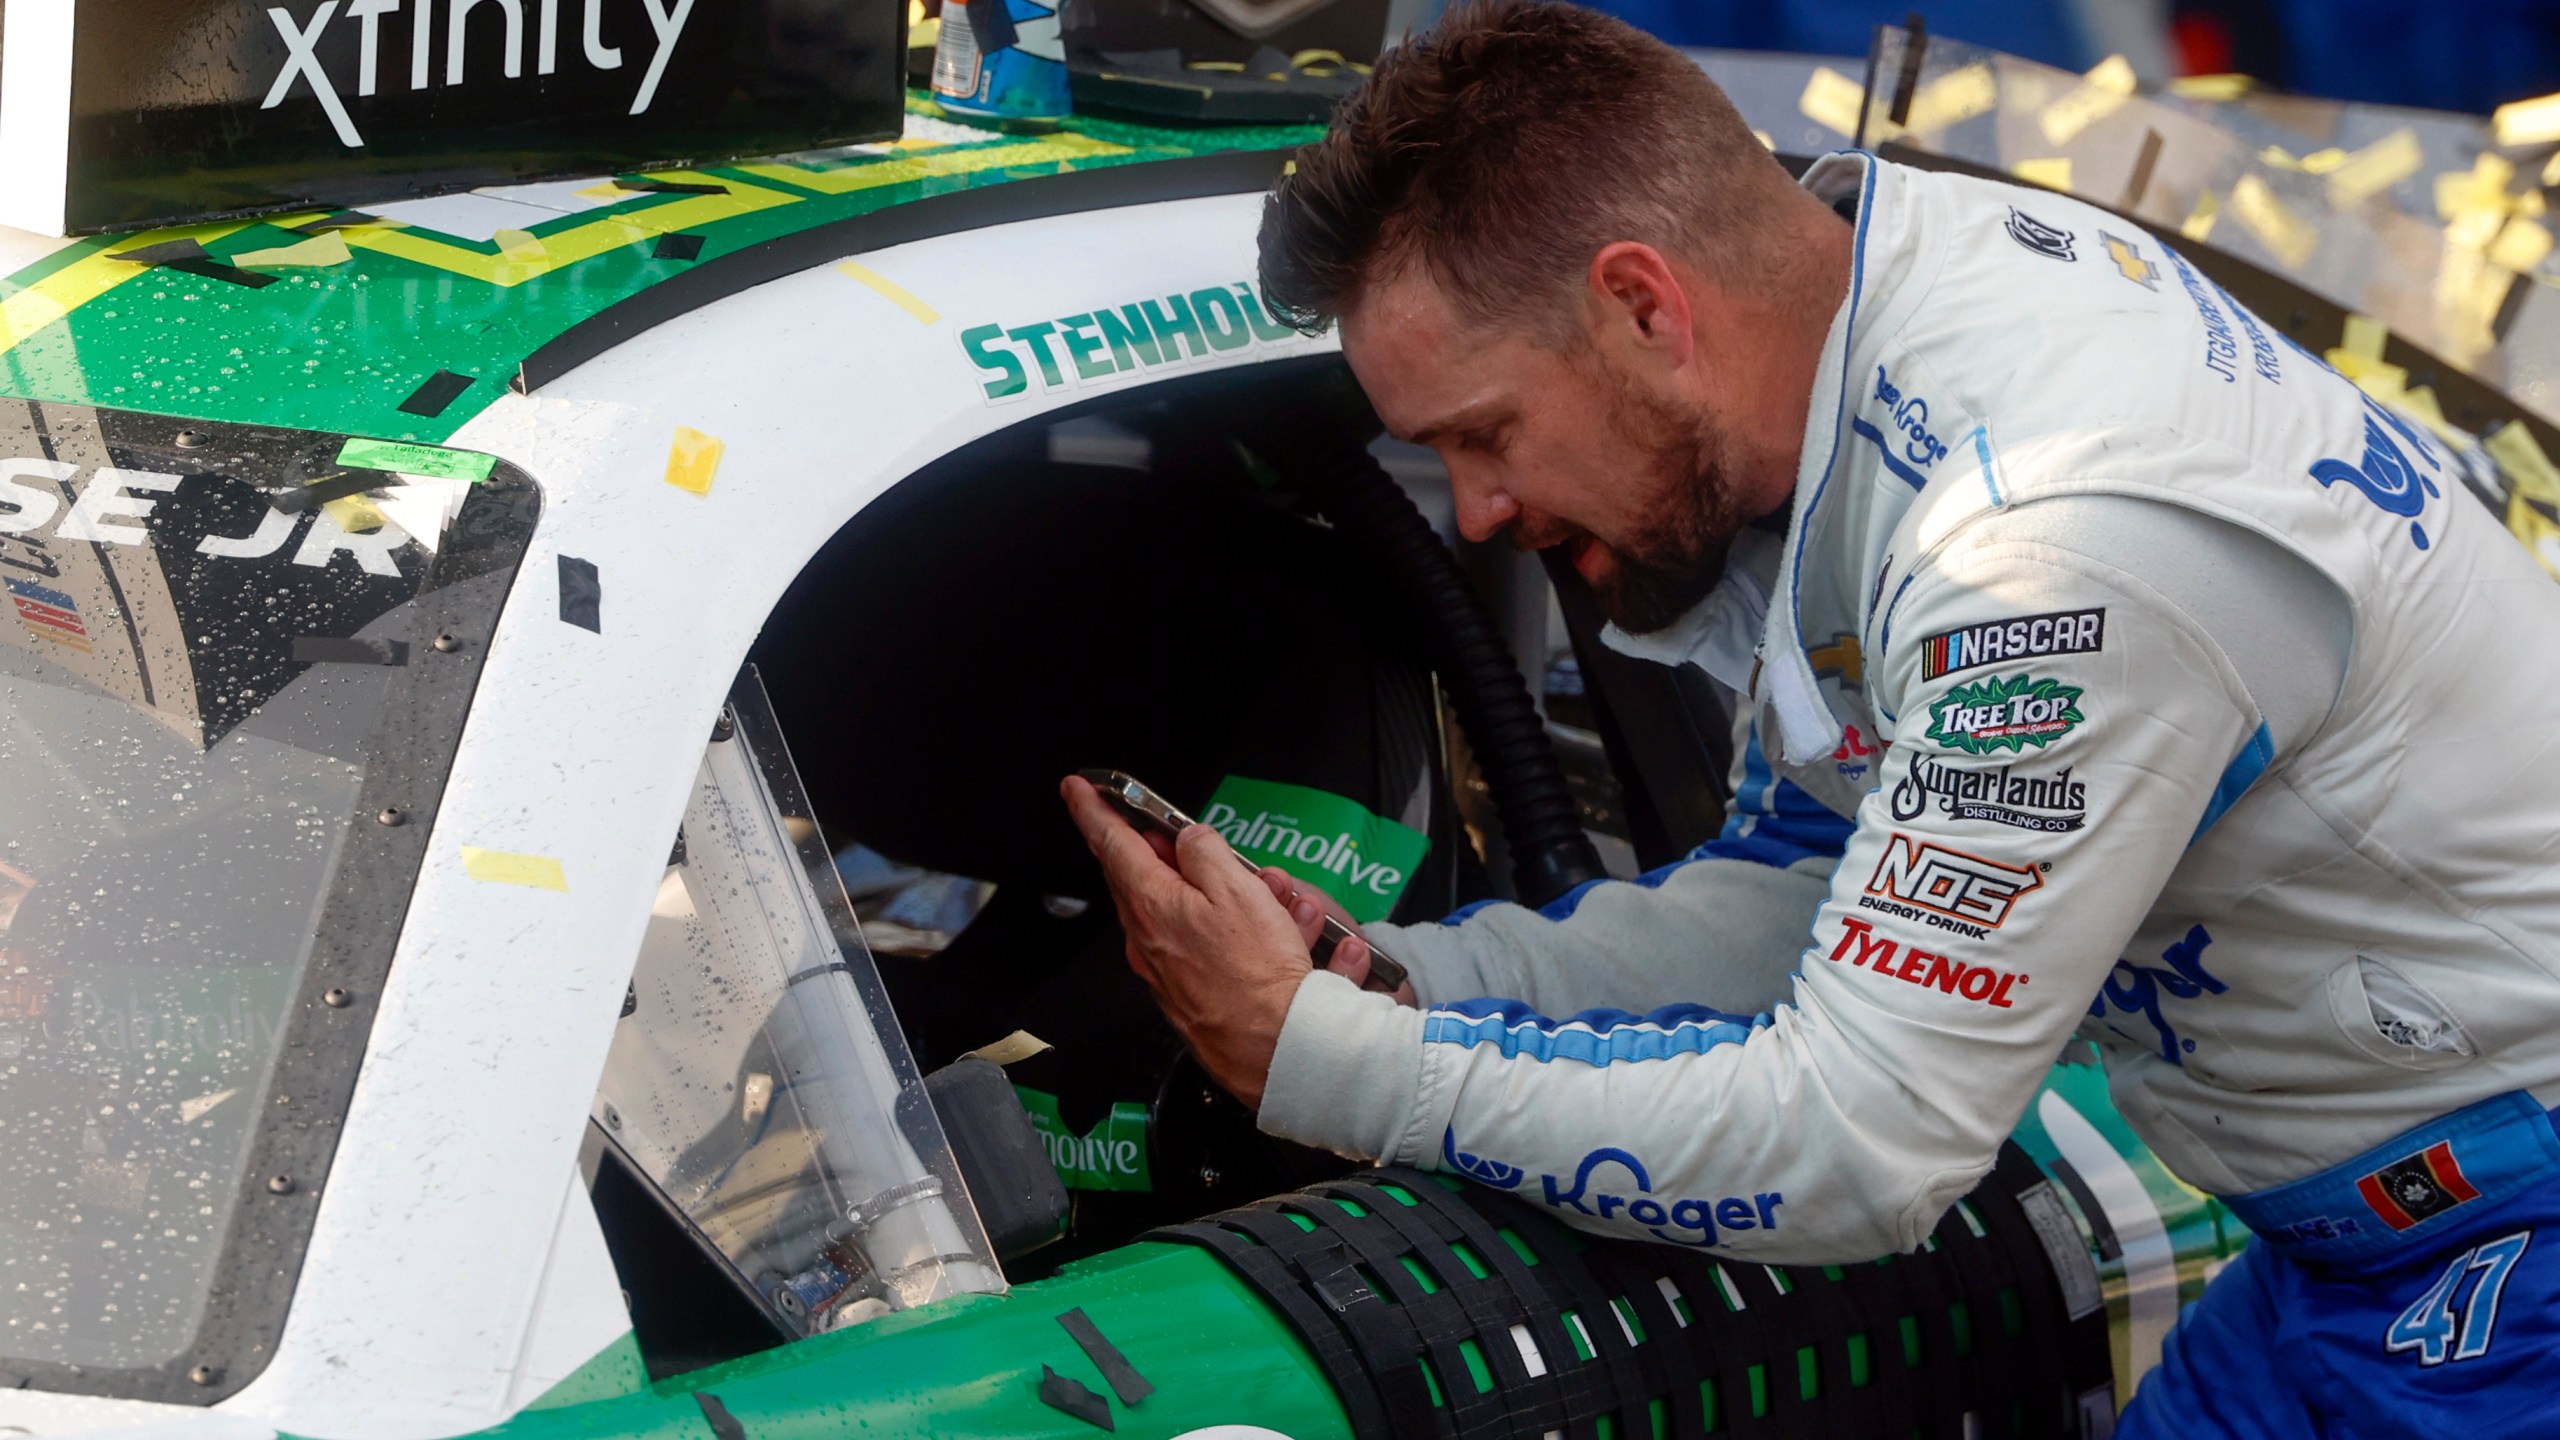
1840,659
2129,261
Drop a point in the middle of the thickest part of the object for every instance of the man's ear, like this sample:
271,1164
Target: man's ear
1640,302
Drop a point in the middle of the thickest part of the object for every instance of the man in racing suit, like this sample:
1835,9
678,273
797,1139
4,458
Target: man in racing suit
2113,668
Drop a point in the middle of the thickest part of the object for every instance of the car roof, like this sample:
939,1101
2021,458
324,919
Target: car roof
407,320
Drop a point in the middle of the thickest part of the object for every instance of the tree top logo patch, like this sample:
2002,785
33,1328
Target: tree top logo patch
2004,713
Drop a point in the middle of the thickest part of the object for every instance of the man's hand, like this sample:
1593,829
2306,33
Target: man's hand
1221,952
1309,906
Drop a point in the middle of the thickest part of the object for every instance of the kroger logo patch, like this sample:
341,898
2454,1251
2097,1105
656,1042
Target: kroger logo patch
1611,1184
1361,860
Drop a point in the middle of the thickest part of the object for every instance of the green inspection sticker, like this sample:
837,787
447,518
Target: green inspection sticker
1110,1156
1360,859
430,460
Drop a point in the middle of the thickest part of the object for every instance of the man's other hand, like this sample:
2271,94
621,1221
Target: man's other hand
1310,906
1221,951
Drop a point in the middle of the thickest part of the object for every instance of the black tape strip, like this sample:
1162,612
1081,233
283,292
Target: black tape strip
724,1425
229,275
338,650
2509,307
2139,182
341,220
1123,1377
166,252
1225,172
581,594
677,246
320,492
1915,47
667,187
441,389
1060,1393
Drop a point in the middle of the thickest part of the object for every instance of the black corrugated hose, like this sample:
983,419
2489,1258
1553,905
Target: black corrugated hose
1326,459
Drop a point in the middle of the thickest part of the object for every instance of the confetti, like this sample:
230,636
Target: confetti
693,459
505,867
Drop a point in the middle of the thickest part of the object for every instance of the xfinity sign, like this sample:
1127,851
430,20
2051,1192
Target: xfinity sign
115,119
302,64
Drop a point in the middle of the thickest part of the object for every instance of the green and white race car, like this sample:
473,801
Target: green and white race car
529,720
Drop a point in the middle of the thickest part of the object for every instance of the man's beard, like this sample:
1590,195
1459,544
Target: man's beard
1664,570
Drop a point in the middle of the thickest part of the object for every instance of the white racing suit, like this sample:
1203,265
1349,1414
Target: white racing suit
2064,810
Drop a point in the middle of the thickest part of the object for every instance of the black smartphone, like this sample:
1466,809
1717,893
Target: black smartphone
1151,812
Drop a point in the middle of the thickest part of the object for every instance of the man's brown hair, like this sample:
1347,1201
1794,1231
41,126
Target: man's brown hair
1501,151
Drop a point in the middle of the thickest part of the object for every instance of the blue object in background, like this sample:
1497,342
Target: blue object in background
2043,30
2468,55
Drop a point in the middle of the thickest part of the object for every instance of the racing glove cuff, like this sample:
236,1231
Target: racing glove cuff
1348,1069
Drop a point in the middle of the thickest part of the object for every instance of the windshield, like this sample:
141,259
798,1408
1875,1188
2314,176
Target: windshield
207,628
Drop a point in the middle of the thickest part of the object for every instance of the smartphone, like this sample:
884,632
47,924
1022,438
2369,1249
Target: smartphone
1151,812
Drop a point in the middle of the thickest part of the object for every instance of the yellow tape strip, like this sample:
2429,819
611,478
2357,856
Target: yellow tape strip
515,265
867,175
503,867
891,291
76,284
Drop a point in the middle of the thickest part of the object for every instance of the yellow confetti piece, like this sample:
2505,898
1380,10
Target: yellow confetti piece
2375,168
2520,246
2287,236
2468,292
1767,142
1956,96
505,867
2540,535
891,291
2527,122
2473,230
606,190
2482,187
2363,337
2052,174
2551,169
2199,221
2376,378
518,245
2099,94
1831,100
693,459
2419,403
2212,87
321,250
2521,460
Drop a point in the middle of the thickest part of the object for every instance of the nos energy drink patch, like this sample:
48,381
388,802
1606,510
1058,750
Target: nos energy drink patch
1357,858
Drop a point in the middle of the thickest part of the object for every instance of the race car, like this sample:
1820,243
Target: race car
532,898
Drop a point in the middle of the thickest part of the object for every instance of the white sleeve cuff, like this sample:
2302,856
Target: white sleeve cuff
1348,1069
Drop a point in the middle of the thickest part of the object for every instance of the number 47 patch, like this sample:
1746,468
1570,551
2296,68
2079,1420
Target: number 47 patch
2446,1323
